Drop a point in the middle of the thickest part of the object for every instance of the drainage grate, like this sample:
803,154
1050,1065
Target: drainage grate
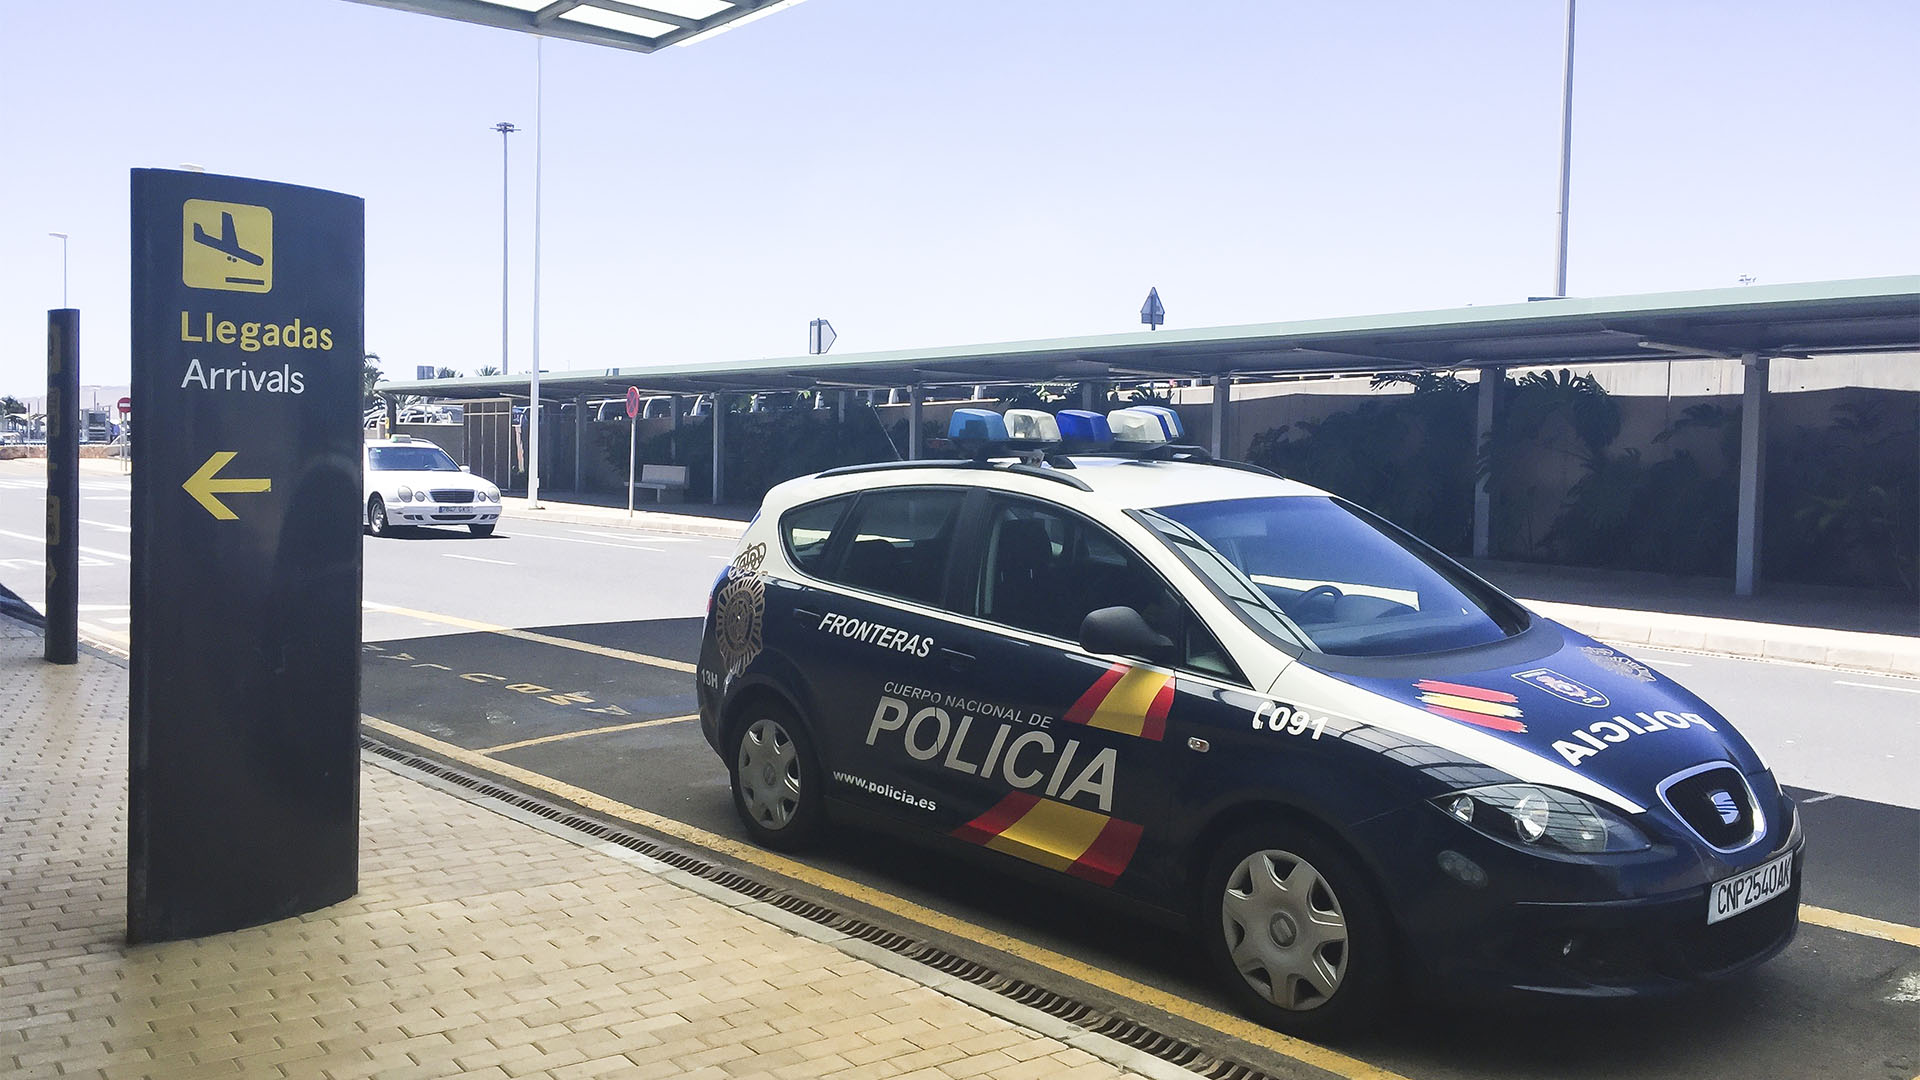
1128,1032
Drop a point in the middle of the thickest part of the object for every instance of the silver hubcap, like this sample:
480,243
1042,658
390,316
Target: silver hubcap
769,774
1285,930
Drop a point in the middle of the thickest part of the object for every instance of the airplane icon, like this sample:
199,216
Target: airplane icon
227,243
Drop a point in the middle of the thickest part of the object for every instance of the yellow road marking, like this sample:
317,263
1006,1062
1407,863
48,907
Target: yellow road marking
608,730
1860,924
529,635
1245,1030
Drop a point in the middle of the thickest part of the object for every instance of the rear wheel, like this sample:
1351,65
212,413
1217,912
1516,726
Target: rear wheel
481,530
377,517
1295,930
776,780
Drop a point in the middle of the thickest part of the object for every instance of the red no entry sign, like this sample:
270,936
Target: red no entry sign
633,402
126,406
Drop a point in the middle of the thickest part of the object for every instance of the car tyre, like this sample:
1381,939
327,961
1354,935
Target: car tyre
377,524
1296,932
481,530
776,776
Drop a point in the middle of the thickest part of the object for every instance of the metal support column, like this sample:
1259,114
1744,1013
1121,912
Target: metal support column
1222,396
841,407
393,414
917,395
1753,460
673,441
720,404
579,442
63,486
1490,380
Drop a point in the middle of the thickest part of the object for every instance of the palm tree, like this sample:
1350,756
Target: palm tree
489,369
446,373
12,406
370,376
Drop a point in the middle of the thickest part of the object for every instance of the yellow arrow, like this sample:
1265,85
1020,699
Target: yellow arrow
202,486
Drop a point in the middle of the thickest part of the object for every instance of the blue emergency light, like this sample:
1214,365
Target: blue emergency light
1084,430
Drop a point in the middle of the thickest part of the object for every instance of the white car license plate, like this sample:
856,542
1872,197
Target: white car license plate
1755,887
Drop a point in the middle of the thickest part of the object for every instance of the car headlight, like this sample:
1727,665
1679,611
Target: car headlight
405,493
1541,818
491,495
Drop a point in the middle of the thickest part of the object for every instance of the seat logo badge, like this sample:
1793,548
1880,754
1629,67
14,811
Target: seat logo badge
1723,802
1560,686
740,609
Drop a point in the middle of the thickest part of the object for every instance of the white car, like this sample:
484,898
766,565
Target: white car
412,482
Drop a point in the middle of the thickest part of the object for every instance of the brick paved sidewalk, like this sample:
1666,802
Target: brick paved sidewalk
477,946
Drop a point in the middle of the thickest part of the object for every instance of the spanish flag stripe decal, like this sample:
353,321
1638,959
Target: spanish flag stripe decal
1497,723
995,821
1126,708
1155,727
1481,693
1112,850
1083,709
1485,708
1052,834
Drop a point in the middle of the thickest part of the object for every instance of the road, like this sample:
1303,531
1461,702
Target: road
555,658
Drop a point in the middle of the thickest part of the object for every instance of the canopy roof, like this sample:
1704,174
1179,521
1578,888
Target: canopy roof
1859,316
639,27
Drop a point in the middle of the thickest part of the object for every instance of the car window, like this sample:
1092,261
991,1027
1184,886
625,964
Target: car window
1334,575
409,459
900,540
1043,570
806,530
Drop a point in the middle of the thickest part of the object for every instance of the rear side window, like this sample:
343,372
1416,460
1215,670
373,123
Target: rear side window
899,543
806,529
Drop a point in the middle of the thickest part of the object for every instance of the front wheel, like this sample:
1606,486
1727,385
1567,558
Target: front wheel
1295,930
776,778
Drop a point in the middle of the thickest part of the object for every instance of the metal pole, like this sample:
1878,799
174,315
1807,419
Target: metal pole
719,449
1490,379
62,237
63,486
1566,162
505,129
579,442
916,394
633,439
533,422
1222,394
1753,435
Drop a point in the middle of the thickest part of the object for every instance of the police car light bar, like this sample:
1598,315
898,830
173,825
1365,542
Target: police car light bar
1084,430
1137,427
1032,426
1169,420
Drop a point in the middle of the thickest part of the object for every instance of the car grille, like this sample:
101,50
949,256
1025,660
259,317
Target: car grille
451,495
1716,803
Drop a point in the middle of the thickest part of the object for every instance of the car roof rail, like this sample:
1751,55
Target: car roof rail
1021,468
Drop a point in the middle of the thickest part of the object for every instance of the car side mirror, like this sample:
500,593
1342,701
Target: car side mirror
466,468
1121,631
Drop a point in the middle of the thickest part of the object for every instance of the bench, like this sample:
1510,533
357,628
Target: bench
667,482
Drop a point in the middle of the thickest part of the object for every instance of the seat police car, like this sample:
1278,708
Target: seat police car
413,482
1208,692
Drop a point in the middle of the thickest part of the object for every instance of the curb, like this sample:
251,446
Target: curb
1848,650
642,520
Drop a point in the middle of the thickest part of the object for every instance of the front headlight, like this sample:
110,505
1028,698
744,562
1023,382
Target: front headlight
405,493
1541,818
491,495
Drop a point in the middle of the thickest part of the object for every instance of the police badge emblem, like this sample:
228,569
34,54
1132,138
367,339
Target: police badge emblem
1619,665
1560,686
740,609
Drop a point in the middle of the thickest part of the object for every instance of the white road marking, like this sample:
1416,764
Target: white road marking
1666,663
722,558
91,551
595,543
1836,682
474,558
106,525
1818,798
647,537
118,620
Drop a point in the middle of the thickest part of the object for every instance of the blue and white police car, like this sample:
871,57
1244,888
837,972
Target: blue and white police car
1198,689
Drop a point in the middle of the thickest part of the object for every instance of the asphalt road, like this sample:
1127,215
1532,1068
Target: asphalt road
557,653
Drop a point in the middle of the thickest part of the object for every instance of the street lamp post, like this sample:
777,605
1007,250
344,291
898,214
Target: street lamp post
1566,161
505,129
62,237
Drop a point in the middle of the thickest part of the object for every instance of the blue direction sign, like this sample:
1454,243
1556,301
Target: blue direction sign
1153,313
247,347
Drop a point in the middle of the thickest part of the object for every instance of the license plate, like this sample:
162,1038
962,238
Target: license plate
1751,889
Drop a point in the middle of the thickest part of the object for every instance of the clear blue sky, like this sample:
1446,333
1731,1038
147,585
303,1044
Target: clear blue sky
944,172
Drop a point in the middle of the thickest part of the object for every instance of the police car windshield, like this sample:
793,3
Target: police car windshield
1345,581
409,459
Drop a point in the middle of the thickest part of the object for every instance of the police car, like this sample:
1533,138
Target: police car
1199,689
413,482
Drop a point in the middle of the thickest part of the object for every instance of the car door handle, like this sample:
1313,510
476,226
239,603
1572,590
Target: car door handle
956,659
